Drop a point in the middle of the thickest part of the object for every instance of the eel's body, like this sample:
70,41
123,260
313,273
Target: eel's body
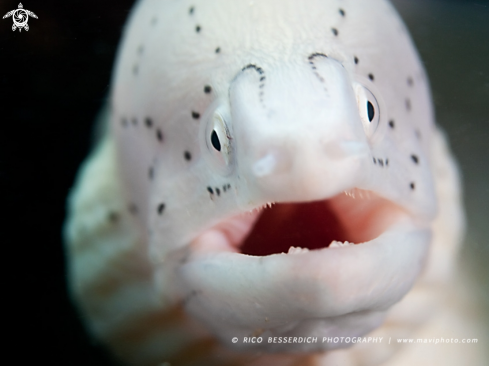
221,107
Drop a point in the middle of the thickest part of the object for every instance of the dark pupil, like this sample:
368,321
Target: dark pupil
370,111
215,141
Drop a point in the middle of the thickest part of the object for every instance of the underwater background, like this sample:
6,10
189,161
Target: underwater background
54,80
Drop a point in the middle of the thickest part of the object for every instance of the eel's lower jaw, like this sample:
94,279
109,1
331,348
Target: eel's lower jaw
327,292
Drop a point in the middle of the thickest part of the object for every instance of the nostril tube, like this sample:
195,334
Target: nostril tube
265,166
346,149
273,161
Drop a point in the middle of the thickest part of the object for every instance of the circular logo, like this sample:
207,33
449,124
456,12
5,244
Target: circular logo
20,18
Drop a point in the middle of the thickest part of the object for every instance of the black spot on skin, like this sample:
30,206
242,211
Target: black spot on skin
124,122
356,60
262,78
412,185
391,123
197,29
335,31
218,49
191,10
161,208
149,122
371,77
134,121
133,209
229,186
209,189
218,191
113,217
251,66
207,89
381,162
415,159
215,141
159,135
187,155
370,111
375,161
224,188
151,173
311,62
314,55
260,71
135,69
410,81
408,104
189,297
342,12
386,162
195,115
184,259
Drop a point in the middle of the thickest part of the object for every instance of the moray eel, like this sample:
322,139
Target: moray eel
270,169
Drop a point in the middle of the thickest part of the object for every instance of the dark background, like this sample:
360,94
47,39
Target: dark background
53,81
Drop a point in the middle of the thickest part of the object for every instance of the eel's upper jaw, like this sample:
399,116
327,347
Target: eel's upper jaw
338,291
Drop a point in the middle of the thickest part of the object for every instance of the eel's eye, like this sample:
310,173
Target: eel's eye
368,108
215,140
370,111
219,141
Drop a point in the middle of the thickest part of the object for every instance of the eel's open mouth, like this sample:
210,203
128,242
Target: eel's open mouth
352,217
236,281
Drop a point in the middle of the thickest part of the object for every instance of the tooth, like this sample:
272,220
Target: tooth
297,250
339,244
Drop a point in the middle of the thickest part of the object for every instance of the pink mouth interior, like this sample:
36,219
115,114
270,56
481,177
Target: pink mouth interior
314,225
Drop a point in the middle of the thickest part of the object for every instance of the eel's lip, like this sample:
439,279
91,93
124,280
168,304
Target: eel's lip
329,292
375,274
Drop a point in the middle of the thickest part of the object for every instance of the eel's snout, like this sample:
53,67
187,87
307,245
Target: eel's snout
298,136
